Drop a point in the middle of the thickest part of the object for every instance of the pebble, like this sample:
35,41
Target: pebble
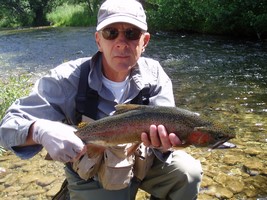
54,189
250,191
28,179
13,189
30,193
230,160
235,184
2,172
219,192
45,181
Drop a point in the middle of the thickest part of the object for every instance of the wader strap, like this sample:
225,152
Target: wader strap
87,98
63,193
143,97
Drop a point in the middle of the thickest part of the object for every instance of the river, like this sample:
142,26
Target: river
221,77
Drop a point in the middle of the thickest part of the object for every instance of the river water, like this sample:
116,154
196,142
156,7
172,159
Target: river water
223,78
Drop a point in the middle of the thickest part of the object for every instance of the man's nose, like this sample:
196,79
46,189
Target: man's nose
122,40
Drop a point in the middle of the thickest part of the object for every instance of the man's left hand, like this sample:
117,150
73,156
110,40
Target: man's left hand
158,137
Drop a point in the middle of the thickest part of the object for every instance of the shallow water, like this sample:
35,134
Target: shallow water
223,78
37,50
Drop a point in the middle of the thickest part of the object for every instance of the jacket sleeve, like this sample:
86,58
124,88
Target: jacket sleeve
51,98
162,94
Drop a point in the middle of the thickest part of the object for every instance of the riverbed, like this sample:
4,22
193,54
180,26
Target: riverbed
222,77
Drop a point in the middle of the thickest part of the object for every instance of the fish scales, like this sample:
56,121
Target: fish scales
131,120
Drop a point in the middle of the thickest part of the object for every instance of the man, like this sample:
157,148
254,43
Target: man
115,74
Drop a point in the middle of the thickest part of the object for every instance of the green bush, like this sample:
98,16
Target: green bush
13,88
71,15
171,15
9,19
232,17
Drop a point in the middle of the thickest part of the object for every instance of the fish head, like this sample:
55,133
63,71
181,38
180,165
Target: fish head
213,136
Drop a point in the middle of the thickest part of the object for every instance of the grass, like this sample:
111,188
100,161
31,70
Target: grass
71,15
12,88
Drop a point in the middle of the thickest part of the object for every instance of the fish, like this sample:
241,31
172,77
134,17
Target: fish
130,120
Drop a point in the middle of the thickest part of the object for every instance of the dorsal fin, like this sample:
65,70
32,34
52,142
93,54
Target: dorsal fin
123,108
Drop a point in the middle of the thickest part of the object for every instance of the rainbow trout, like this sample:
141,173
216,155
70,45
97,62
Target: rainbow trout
129,121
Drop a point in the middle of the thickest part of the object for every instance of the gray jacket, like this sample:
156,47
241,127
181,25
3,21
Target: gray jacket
53,98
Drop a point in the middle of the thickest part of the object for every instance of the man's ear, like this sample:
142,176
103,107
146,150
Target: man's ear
146,40
97,39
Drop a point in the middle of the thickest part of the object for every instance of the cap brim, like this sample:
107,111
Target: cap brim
121,19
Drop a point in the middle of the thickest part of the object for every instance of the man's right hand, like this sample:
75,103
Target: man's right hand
58,139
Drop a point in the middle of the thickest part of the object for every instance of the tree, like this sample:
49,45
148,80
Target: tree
15,11
26,12
39,8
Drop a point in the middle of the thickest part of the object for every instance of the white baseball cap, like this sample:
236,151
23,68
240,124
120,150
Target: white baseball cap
126,11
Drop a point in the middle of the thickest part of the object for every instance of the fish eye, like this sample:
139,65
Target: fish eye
221,136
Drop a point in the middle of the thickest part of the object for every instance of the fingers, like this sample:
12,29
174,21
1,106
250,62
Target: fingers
151,139
154,136
174,139
158,137
164,137
80,154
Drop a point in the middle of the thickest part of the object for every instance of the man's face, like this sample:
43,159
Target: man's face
120,54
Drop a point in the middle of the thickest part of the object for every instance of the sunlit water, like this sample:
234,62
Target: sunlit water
223,78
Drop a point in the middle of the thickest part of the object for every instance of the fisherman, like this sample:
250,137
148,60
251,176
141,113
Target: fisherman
91,88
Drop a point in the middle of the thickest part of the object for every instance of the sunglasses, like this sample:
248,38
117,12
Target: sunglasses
129,33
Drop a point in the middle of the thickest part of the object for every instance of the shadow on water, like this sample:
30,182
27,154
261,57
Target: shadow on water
223,78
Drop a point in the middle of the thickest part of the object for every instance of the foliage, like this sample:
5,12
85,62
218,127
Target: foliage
14,13
236,17
2,150
11,89
23,12
71,15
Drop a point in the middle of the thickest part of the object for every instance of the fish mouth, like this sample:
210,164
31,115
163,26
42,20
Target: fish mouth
219,143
